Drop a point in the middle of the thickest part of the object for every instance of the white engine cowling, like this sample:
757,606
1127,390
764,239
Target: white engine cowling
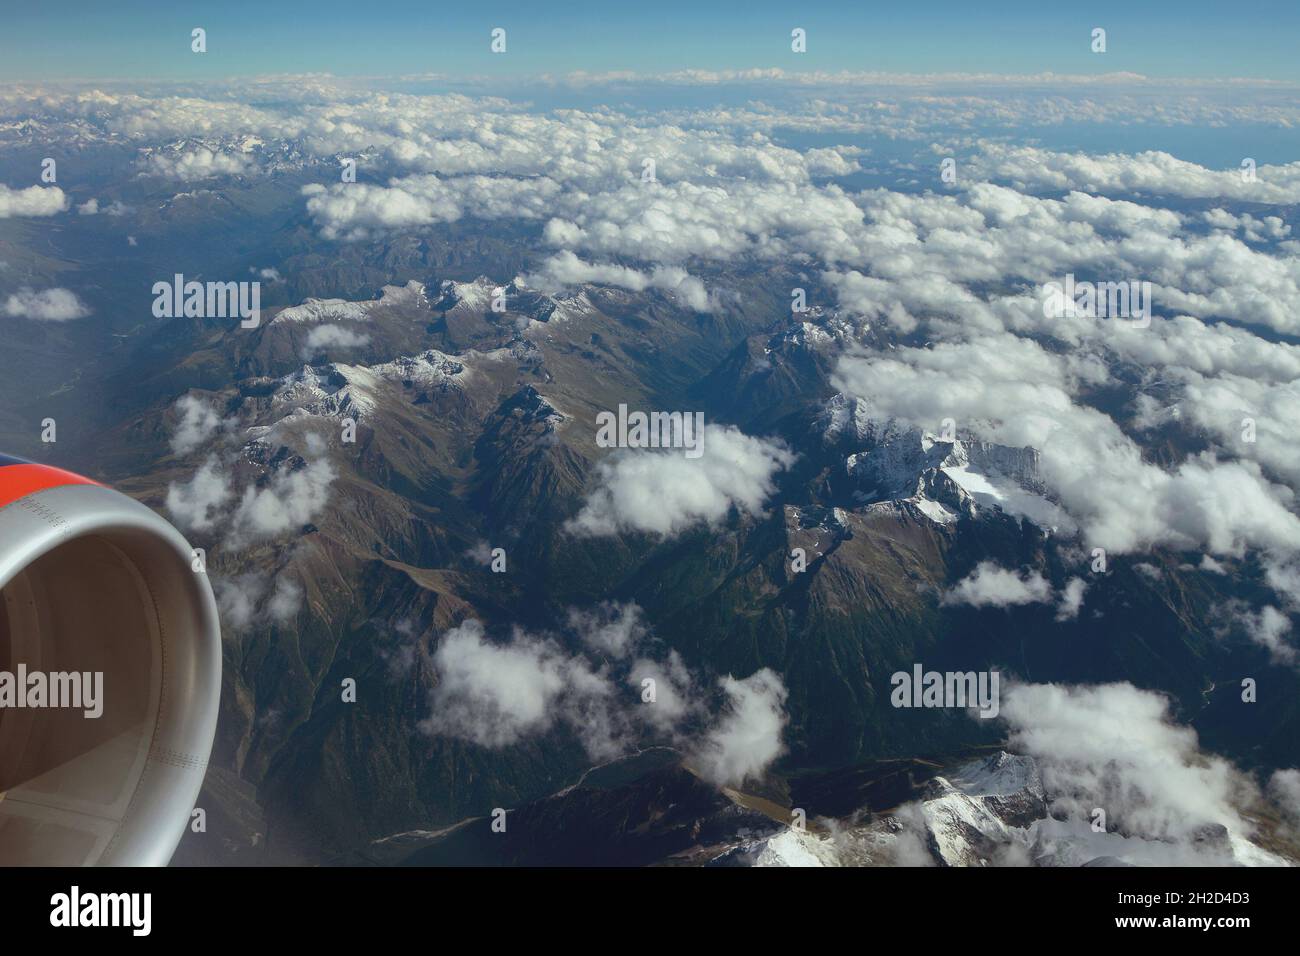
97,589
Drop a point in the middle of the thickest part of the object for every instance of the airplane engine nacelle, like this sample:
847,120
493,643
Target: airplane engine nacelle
110,674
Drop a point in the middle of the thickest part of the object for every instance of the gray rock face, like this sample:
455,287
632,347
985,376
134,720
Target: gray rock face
969,816
892,463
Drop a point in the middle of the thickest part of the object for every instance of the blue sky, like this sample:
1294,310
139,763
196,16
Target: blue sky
127,39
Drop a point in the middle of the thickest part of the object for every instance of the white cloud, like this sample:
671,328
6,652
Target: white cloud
991,586
1284,789
480,553
500,693
254,599
1282,573
496,694
289,500
1232,404
666,492
748,737
565,269
197,163
322,338
285,498
196,504
1011,391
91,207
1269,628
1152,173
1268,229
1071,600
1115,747
285,601
48,305
676,696
198,422
32,201
612,629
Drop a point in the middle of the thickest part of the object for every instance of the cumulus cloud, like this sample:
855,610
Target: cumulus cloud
712,221
566,269
1151,173
283,501
1013,392
285,601
612,629
499,693
604,682
196,504
91,207
48,305
1116,748
32,201
927,251
289,500
322,338
197,163
991,586
676,695
1267,229
1246,415
493,695
480,553
198,422
665,492
1282,573
1284,789
1122,780
410,654
1269,628
748,737
1071,599
253,599
360,210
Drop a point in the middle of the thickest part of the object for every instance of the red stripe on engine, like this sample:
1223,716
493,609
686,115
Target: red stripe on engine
18,481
